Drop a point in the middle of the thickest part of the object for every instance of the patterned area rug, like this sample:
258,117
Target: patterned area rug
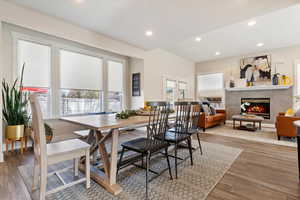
194,182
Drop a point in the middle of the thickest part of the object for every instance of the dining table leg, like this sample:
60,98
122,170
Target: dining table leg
108,178
114,157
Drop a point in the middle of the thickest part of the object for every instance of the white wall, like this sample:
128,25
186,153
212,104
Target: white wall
136,66
1,77
159,63
287,56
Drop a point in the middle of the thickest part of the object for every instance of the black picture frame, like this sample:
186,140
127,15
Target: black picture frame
136,84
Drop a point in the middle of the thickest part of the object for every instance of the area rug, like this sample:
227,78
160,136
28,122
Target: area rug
266,135
193,183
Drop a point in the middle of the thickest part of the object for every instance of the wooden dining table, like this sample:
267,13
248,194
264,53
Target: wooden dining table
102,128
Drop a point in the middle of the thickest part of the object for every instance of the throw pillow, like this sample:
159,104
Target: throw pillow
206,109
297,113
290,113
212,110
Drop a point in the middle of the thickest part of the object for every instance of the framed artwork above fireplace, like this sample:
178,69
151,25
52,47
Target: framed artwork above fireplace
256,69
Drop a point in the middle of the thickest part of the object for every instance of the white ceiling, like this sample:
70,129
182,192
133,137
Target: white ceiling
176,23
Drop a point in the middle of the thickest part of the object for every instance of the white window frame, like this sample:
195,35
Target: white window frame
18,36
203,74
55,68
125,80
177,80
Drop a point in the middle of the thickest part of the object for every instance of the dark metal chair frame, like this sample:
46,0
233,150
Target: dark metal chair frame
186,125
147,147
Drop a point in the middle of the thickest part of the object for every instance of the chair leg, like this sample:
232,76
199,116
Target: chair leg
35,175
43,182
26,141
169,166
6,144
76,163
147,172
278,137
12,145
87,169
200,146
176,161
22,145
120,160
203,129
190,150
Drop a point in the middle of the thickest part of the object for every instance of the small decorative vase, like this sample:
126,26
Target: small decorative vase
275,79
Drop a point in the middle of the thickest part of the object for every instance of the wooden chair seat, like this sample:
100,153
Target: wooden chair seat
66,146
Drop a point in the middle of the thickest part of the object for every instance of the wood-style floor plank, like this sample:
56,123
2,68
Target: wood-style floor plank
262,171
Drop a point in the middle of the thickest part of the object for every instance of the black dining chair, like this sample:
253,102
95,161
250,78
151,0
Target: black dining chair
179,133
147,146
193,127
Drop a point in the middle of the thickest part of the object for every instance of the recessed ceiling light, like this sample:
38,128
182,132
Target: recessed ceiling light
198,39
218,53
148,33
260,44
79,1
252,23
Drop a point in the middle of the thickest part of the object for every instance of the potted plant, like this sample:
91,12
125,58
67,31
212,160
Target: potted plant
14,108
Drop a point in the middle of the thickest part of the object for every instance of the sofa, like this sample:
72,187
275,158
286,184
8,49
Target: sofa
207,121
285,126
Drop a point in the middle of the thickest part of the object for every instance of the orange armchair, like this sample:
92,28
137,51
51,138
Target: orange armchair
285,126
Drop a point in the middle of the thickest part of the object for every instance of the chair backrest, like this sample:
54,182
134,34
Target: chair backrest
182,117
40,148
195,115
158,119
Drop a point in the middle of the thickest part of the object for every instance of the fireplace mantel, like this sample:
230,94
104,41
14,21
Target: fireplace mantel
262,87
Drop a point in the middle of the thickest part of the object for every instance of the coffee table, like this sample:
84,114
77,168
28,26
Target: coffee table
247,118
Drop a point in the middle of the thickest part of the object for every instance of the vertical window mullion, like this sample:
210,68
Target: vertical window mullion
55,82
105,84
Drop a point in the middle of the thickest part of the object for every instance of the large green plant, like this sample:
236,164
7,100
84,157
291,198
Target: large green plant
14,102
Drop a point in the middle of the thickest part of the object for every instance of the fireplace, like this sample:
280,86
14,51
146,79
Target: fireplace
256,106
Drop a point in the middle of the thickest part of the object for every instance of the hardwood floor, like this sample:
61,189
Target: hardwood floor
261,172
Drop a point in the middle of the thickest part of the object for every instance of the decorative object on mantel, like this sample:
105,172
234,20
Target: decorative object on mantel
231,82
275,79
14,112
256,69
285,80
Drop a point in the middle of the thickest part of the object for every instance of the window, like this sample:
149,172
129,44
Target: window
170,91
182,90
210,82
115,86
36,58
81,83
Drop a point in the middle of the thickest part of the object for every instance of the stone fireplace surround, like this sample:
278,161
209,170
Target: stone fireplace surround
280,101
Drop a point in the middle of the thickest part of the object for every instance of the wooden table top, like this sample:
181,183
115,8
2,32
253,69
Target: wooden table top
108,121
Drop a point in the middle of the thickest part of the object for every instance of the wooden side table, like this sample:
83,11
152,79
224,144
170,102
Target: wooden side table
23,141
